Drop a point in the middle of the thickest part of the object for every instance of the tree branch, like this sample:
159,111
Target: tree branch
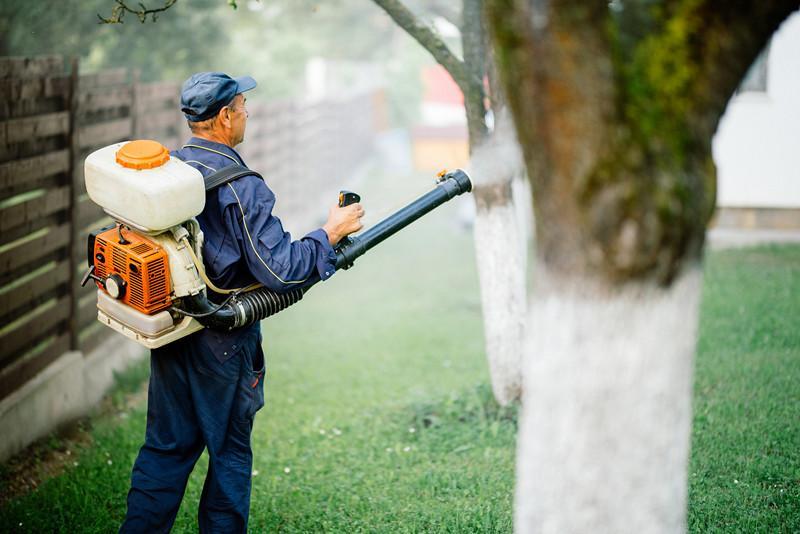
429,40
732,39
474,44
473,38
122,7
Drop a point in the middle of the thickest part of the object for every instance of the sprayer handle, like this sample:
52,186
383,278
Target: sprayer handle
348,197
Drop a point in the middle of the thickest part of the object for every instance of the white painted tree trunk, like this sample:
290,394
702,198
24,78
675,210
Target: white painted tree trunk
500,257
521,188
501,246
605,424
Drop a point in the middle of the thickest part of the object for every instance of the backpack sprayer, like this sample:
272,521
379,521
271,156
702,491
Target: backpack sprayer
152,285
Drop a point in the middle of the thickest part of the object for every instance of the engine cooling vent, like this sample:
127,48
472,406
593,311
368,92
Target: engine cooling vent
142,264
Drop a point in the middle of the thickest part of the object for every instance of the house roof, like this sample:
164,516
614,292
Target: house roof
440,88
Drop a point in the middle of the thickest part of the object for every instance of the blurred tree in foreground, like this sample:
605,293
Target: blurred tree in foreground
615,106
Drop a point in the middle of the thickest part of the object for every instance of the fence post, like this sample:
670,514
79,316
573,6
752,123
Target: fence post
73,215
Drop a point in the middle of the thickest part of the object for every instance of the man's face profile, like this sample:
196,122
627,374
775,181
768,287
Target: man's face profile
238,118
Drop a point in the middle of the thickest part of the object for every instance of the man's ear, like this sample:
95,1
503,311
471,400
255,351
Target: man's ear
225,116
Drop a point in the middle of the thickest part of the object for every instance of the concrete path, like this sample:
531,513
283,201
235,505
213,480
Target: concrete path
733,237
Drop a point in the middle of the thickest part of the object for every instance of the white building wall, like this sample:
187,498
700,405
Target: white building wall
757,145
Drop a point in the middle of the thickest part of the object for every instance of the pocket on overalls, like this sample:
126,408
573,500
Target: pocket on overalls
251,383
258,375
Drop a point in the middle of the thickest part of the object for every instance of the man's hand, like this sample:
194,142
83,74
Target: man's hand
343,221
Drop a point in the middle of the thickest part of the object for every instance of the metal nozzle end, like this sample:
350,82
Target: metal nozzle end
462,179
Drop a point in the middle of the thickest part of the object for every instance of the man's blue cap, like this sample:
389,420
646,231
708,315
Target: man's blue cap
205,93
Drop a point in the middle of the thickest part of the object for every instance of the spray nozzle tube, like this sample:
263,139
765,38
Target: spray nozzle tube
448,186
252,306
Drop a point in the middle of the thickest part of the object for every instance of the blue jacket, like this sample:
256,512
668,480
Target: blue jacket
245,243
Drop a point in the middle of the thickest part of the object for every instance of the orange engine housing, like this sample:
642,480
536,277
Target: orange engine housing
142,264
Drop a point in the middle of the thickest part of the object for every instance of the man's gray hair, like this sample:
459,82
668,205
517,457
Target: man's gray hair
208,124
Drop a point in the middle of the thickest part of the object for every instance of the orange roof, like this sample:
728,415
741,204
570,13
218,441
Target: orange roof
440,87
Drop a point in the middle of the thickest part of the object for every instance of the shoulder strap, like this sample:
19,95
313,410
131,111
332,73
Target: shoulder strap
228,174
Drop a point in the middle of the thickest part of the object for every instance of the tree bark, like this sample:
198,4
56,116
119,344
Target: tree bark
473,43
614,107
500,243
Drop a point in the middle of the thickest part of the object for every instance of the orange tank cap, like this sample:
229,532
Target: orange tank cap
142,154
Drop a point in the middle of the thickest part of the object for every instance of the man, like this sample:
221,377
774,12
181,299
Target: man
206,388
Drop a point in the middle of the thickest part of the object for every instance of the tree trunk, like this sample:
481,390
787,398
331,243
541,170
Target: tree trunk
604,428
500,258
499,245
614,107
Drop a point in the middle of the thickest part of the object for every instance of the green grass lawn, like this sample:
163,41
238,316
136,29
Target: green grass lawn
378,415
745,467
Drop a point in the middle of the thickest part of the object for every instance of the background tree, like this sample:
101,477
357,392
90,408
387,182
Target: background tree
500,243
615,107
167,50
272,39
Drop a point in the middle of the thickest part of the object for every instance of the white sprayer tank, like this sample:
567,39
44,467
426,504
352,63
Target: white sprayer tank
138,183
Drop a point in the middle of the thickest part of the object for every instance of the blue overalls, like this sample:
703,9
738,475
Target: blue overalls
206,388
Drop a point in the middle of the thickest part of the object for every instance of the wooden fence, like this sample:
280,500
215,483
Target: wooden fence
51,119
36,305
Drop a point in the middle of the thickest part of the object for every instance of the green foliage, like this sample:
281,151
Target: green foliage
182,41
270,40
